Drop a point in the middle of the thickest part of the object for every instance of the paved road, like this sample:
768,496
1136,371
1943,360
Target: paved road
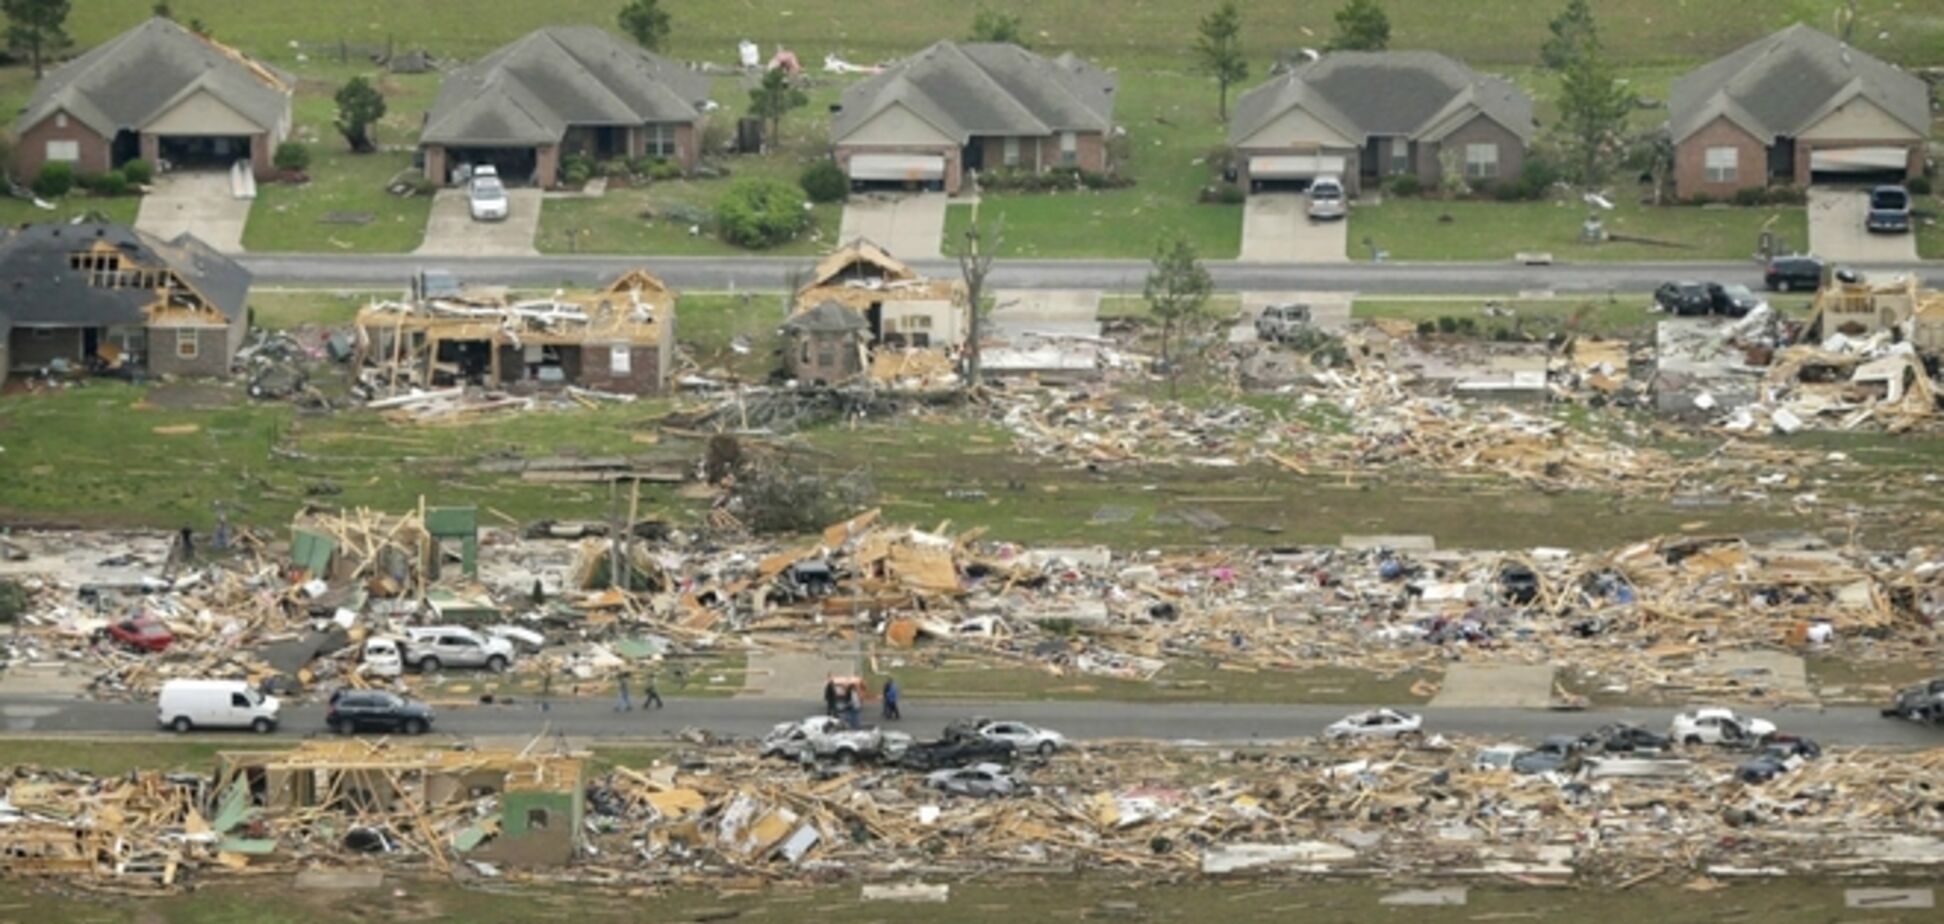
1222,723
770,273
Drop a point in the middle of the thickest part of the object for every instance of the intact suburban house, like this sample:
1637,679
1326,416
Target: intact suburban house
563,90
1366,116
161,93
953,108
1796,107
111,297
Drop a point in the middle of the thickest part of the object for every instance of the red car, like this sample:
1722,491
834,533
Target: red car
142,633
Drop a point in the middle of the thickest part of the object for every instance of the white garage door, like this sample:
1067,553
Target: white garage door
1294,166
1858,160
897,168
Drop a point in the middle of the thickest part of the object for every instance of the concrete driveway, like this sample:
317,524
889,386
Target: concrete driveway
910,226
1836,230
1276,229
198,202
1060,312
451,231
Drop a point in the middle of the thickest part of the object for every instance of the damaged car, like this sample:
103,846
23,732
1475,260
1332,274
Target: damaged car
1375,723
1921,703
1719,726
1781,755
960,752
1559,753
983,781
1622,738
826,737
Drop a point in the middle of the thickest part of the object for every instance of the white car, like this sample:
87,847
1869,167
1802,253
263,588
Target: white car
1376,723
1719,726
1024,738
1497,757
824,736
430,648
486,196
1326,199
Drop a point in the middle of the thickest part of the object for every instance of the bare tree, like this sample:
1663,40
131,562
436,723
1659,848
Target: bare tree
975,263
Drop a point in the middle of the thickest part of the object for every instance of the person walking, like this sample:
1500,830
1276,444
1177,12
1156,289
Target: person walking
624,705
546,689
651,693
830,696
891,713
853,708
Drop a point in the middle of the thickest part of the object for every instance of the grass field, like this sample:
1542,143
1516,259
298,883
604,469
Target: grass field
1434,229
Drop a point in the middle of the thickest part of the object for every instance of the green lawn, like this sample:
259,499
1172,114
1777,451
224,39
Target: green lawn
1436,229
707,326
281,309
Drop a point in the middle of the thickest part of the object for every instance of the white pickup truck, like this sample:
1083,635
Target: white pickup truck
827,737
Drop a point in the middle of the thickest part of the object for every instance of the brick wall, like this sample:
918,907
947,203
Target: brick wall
31,149
435,163
644,375
36,347
688,144
547,164
1691,164
1480,130
212,357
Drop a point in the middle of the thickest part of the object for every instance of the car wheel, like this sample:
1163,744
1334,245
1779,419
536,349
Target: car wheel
496,664
1693,741
338,726
429,665
846,757
1409,737
1046,749
181,724
262,726
416,727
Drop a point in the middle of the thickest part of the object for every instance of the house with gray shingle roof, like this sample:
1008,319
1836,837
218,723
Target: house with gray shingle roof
929,118
1800,107
1369,115
564,90
159,92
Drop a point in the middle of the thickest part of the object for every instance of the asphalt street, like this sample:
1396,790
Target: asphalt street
1217,723
771,273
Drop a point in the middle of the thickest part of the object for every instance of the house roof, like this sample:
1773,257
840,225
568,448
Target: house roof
986,88
1784,83
866,258
531,91
1413,94
826,318
137,76
42,287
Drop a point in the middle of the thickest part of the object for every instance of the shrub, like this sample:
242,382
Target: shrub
1222,161
1447,324
13,601
761,213
665,169
1405,185
612,168
138,171
112,183
1508,191
824,181
1427,328
1786,195
576,173
1919,186
1753,195
1538,175
54,180
292,157
1700,199
1232,194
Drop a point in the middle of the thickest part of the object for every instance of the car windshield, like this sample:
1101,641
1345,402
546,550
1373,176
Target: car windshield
1738,293
487,188
1889,199
1325,191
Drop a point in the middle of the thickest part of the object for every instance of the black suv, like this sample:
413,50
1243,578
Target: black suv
1797,272
1889,210
376,710
1732,300
1684,298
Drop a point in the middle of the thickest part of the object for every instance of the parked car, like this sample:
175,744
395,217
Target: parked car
1555,753
1326,199
1375,723
1786,274
962,752
1024,738
376,710
1732,300
140,633
985,781
823,736
1620,738
1684,297
1719,726
430,648
1921,703
486,196
1282,321
190,704
1889,210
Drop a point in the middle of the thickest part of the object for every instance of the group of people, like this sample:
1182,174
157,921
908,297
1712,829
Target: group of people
846,700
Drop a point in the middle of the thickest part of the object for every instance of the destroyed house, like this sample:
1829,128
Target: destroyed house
1864,307
108,297
826,344
619,338
900,308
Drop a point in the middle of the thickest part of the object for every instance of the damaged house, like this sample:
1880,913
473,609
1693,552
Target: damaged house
619,338
111,298
895,311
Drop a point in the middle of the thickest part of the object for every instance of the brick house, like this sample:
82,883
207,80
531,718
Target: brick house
558,91
161,93
111,297
953,108
1796,107
1366,116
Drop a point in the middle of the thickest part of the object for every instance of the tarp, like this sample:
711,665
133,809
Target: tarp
897,167
1858,160
1293,166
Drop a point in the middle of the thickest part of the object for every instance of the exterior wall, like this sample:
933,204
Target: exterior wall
1092,148
645,368
1805,152
1691,164
36,347
1042,153
897,126
31,150
688,144
202,114
262,150
212,352
1859,118
1296,131
805,355
436,163
151,149
1480,130
954,170
547,164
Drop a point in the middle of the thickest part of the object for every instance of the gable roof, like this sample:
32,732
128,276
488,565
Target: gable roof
859,259
1413,94
531,91
1783,83
137,76
986,88
825,318
42,288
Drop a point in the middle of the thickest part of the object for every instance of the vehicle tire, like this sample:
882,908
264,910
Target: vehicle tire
338,726
496,664
1409,737
181,724
1693,741
428,665
846,757
1046,749
262,726
416,727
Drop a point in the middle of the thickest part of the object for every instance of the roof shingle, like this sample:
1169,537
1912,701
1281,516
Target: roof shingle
531,91
1395,93
1784,83
137,76
986,88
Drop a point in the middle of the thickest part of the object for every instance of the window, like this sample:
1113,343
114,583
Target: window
538,819
69,151
1069,148
620,361
661,139
1721,164
188,344
1481,161
1400,156
1012,152
239,701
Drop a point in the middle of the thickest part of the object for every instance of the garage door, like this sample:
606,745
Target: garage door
1859,160
897,168
1294,166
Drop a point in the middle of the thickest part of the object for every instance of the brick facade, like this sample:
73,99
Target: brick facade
35,347
30,152
1691,163
1480,130
644,374
212,354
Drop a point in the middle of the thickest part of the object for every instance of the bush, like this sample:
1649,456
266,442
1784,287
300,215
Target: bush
1538,175
576,174
112,183
292,157
13,601
760,213
1232,194
1222,161
1447,324
1919,186
665,169
1508,191
1786,195
1700,199
1754,195
616,167
138,171
54,180
824,181
1405,185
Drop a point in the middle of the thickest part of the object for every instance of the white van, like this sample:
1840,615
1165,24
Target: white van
381,658
187,704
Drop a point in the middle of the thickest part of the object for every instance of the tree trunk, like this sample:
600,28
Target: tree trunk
34,52
1221,108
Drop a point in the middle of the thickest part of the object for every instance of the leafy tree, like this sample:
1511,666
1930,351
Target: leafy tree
997,26
37,27
1361,26
824,181
646,22
761,212
359,106
1177,292
1219,51
775,97
1573,34
1593,108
